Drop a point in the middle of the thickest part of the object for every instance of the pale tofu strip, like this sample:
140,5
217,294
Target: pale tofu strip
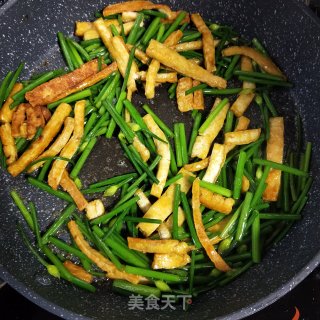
83,26
70,148
203,141
155,66
169,260
96,257
38,146
163,207
8,143
174,60
57,145
185,102
198,98
69,186
242,137
216,162
163,150
274,152
5,111
242,124
143,203
158,246
129,16
121,55
207,40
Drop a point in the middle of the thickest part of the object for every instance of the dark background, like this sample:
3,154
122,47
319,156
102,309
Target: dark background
305,297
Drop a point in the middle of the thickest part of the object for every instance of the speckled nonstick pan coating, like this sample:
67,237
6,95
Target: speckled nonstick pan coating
292,36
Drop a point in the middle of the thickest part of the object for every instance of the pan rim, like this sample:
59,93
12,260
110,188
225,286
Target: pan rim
251,309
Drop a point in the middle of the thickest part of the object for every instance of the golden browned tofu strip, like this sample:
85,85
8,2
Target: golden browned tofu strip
174,60
8,143
58,144
274,152
264,62
5,111
68,185
242,137
163,207
198,98
158,246
185,102
216,202
137,6
170,260
38,146
70,148
95,256
208,42
197,166
78,271
48,91
213,255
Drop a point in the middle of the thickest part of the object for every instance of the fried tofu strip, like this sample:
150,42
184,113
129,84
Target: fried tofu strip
70,148
246,65
129,16
83,26
94,209
185,102
245,184
143,203
158,246
174,60
186,46
197,166
242,137
216,162
242,124
78,271
242,103
121,55
141,148
139,54
214,256
5,112
163,207
264,62
198,98
274,152
165,228
137,6
94,34
170,260
57,145
207,40
163,150
170,77
8,143
48,91
38,146
155,65
95,256
69,186
203,141
216,202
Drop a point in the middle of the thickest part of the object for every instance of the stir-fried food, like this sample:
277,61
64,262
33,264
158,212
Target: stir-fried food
190,205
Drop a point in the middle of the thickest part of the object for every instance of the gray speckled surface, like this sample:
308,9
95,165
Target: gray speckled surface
291,35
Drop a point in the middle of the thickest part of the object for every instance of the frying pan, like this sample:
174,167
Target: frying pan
292,36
